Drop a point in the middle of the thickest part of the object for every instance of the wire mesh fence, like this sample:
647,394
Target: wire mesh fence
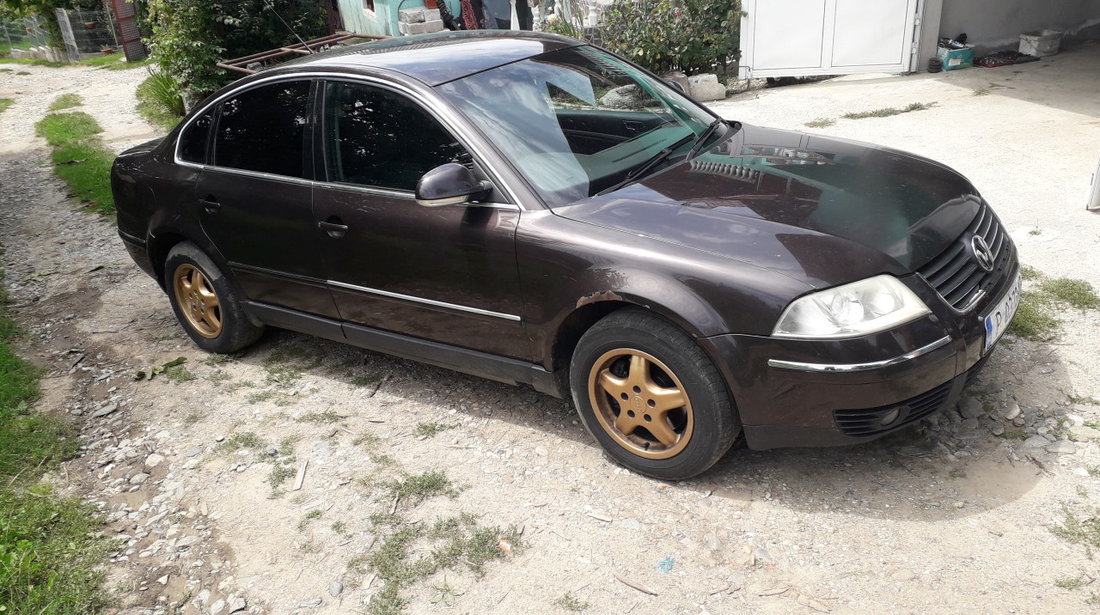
86,32
20,35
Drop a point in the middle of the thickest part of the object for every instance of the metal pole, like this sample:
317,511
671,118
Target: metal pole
1094,193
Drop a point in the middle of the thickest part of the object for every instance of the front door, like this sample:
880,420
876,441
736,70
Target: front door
446,274
256,197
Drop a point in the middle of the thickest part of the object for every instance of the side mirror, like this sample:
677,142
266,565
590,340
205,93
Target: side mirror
450,184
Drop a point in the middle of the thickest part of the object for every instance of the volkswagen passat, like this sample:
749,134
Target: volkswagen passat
534,210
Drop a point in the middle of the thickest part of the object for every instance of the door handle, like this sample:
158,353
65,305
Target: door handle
334,227
210,205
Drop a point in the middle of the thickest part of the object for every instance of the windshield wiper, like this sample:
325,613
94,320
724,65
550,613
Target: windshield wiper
657,159
698,147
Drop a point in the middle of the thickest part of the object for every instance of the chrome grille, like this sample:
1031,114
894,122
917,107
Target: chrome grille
955,273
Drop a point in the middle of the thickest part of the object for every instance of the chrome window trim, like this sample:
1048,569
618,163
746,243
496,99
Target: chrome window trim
432,302
859,367
449,119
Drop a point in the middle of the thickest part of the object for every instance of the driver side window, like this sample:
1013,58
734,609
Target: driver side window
378,138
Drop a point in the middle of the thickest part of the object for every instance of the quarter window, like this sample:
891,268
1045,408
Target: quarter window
375,137
195,137
263,129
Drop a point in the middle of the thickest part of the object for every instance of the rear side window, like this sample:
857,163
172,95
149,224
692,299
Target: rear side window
376,137
195,137
263,129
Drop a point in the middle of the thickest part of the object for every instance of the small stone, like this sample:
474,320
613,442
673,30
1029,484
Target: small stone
998,430
138,478
1062,447
310,604
630,524
335,588
960,504
903,575
541,451
194,451
163,580
1011,411
154,460
217,607
1036,441
104,411
237,604
186,542
971,408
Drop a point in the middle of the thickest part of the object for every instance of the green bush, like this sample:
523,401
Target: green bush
189,37
695,36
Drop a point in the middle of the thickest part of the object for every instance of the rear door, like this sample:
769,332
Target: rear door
446,274
256,196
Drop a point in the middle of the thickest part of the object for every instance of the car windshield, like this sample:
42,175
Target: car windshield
577,121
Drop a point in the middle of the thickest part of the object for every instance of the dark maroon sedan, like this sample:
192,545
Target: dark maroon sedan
534,210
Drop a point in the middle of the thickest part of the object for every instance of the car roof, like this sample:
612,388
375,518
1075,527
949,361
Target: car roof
440,57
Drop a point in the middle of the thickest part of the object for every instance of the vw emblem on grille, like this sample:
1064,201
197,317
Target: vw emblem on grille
982,253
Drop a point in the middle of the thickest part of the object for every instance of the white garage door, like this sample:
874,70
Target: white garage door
782,38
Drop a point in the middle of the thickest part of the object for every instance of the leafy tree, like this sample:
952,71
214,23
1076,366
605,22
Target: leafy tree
694,36
188,37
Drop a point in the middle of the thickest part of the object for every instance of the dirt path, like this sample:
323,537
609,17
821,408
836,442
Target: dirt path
195,469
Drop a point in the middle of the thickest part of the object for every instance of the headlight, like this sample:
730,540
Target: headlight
868,306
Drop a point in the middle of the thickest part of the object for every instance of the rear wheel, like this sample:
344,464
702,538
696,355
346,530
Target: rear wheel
204,302
651,396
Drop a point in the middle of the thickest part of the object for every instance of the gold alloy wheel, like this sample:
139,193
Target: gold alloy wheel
197,300
640,403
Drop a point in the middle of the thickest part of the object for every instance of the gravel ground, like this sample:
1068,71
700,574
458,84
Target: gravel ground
195,468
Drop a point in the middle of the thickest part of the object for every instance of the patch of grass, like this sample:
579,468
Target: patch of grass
159,101
1094,471
280,474
215,359
192,417
957,473
237,441
1014,434
5,104
178,374
328,416
366,380
463,542
50,553
103,60
1083,399
339,527
570,602
260,396
1028,272
286,445
822,122
31,62
219,376
66,101
981,91
79,157
415,489
311,516
1076,293
888,111
1031,320
1078,531
1071,583
429,430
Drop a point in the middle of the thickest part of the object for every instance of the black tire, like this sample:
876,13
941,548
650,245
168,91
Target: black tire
205,303
642,361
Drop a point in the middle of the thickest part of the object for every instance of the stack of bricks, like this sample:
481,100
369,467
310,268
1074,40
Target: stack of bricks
419,21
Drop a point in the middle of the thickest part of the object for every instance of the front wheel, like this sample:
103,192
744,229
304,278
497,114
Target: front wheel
651,397
204,302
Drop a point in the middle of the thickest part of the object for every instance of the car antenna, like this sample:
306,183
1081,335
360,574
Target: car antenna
269,5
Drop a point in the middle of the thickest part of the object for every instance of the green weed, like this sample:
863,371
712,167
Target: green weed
428,430
6,103
159,100
821,123
570,602
239,441
888,111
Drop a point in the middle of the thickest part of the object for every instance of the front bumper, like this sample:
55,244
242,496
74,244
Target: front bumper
827,393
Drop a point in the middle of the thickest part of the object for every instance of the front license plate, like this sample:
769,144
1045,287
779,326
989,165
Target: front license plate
997,320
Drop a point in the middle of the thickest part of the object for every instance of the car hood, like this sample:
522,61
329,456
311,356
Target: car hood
822,210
